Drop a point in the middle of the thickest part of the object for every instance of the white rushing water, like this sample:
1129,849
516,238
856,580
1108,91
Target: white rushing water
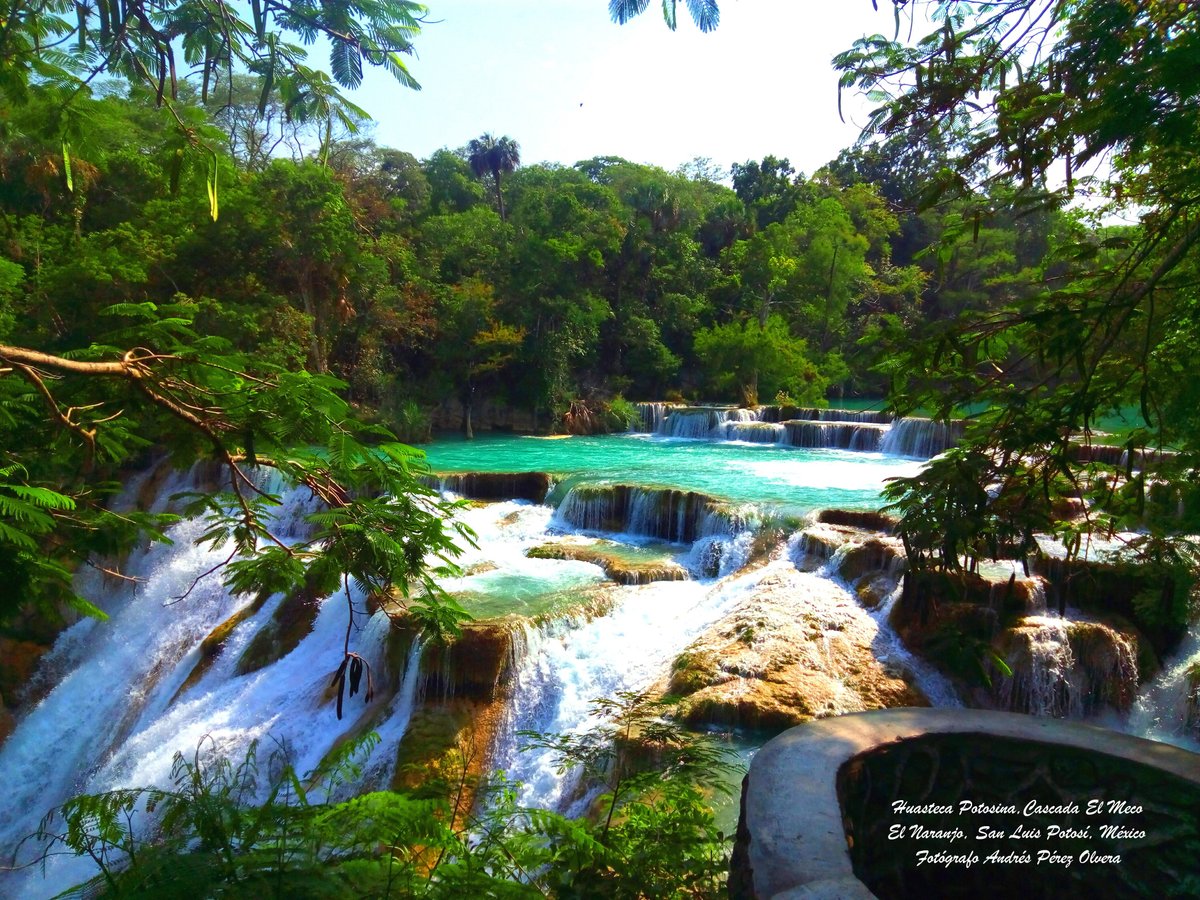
1168,707
569,664
116,715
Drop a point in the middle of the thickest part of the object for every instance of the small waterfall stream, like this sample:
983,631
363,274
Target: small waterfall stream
1168,707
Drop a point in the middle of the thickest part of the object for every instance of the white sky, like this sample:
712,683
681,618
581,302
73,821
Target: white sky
761,83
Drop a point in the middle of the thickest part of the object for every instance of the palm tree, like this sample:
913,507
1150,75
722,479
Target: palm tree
705,13
493,156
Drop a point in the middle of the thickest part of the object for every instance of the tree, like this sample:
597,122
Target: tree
760,357
1031,96
496,157
705,13
75,412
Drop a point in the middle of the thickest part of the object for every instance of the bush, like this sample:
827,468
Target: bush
239,831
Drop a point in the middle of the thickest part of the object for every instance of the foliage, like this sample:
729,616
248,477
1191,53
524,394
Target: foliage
1022,100
705,13
754,357
488,155
58,49
263,830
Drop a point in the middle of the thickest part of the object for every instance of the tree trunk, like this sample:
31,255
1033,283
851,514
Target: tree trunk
316,349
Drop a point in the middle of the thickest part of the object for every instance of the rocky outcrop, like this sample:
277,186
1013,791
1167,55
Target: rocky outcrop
798,647
618,561
868,520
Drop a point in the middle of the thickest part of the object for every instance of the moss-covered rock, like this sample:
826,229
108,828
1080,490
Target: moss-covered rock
290,623
796,648
474,665
620,563
866,520
444,753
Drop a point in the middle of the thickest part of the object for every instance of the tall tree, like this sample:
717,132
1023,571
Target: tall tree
1054,99
496,157
72,417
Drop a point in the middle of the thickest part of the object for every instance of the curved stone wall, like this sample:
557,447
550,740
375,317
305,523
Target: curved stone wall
966,803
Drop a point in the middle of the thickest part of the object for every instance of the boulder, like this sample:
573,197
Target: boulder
796,648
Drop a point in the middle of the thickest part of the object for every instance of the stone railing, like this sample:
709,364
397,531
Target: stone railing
926,803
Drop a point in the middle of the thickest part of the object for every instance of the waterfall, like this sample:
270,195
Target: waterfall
395,718
646,512
702,422
652,416
1044,681
860,436
872,416
721,534
1168,708
565,668
130,692
753,432
920,438
1067,668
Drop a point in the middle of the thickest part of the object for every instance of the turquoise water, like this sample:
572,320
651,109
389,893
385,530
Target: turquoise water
797,480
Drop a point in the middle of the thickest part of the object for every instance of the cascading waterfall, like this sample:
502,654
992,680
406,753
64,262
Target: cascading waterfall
859,436
920,438
123,703
861,431
628,649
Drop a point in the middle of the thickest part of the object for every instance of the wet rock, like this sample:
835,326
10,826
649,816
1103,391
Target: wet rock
8,722
18,661
1192,701
797,648
615,561
1064,669
532,486
872,555
291,622
214,643
474,665
867,520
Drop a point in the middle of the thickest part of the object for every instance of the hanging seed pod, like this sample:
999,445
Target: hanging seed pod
356,671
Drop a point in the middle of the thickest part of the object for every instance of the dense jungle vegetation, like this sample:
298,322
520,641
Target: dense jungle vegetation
228,267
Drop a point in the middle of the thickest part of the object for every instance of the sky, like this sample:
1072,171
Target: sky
567,84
